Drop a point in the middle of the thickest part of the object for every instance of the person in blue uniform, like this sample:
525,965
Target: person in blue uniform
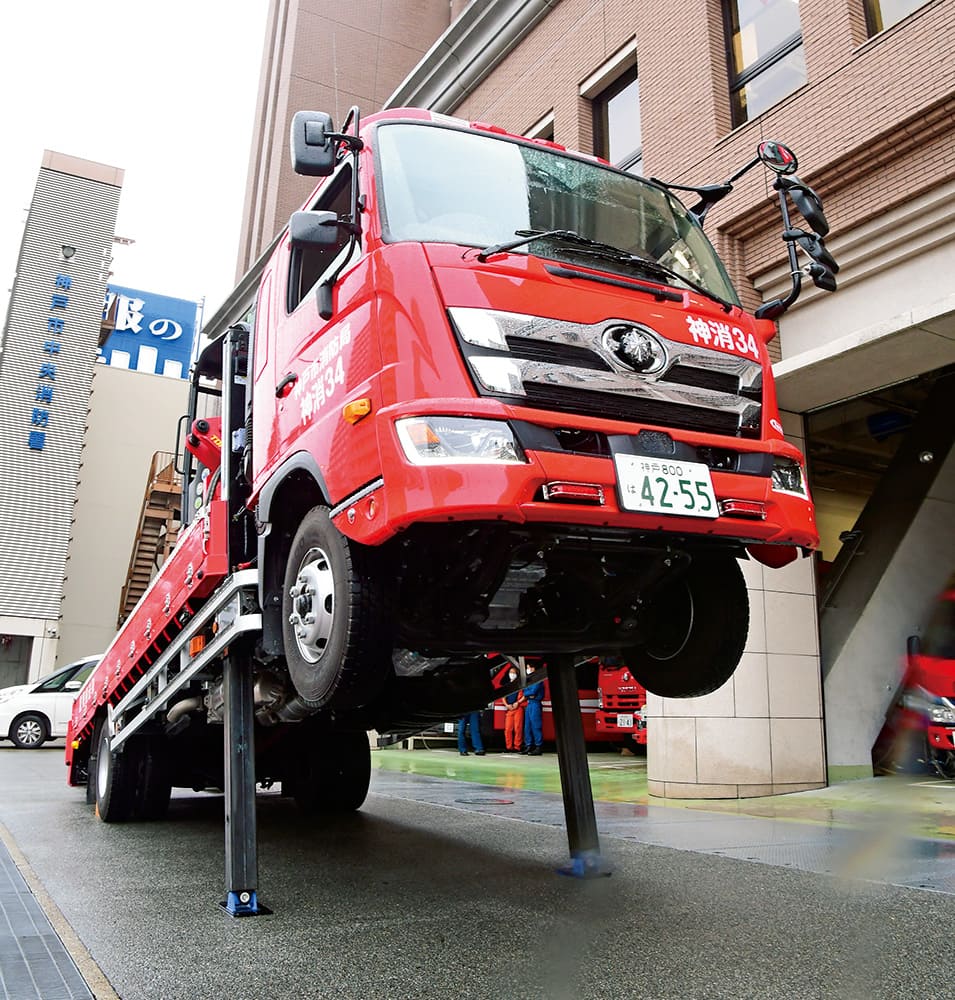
471,721
533,715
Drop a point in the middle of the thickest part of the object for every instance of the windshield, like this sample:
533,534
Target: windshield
443,185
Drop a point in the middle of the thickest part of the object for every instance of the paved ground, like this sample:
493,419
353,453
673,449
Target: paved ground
445,887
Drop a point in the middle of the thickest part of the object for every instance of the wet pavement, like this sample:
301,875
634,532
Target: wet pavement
898,830
444,885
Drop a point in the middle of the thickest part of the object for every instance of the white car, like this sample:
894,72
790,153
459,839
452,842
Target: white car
31,714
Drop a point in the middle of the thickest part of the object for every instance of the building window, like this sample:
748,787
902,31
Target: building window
882,14
543,128
766,56
617,123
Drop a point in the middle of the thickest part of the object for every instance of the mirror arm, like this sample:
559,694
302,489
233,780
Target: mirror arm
774,309
352,226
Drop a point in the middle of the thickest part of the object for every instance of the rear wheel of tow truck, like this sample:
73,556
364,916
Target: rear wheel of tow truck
154,786
335,626
332,773
91,764
695,630
115,777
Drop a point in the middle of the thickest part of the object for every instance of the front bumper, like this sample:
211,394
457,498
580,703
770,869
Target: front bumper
410,494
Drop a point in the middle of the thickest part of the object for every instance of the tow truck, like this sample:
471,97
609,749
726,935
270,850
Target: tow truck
495,395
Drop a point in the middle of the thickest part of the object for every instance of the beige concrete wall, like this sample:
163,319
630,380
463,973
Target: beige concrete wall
132,416
761,733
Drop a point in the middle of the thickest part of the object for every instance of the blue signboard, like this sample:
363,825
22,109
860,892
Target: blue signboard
151,333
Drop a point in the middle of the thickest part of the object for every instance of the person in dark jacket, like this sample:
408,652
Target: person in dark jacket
470,721
533,715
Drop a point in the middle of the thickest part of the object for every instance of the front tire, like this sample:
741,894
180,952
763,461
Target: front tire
336,631
30,731
695,630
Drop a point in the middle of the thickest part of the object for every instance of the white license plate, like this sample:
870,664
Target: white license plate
665,486
449,727
625,722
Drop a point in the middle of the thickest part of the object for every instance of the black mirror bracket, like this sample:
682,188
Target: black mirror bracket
353,144
774,309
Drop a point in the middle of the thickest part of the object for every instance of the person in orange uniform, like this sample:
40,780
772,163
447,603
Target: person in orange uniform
514,714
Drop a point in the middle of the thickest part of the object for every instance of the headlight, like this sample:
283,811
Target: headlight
451,440
941,714
788,477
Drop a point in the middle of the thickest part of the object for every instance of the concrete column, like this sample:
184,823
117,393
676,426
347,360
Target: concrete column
761,733
43,654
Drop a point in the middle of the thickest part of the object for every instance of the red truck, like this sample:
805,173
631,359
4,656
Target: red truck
496,395
621,705
611,701
919,729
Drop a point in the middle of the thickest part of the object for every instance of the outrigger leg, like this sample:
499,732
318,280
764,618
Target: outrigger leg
241,863
582,838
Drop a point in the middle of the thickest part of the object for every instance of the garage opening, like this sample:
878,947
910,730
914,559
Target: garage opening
850,447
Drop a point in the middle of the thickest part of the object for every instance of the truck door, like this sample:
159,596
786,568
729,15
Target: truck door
308,350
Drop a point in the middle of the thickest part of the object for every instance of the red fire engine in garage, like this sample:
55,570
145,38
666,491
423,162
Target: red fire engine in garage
612,705
496,395
621,705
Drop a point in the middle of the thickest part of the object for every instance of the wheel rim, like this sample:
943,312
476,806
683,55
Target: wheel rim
29,732
671,634
102,770
313,605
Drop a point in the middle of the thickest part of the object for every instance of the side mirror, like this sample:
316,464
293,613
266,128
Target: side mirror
72,685
311,144
807,202
779,158
313,229
822,277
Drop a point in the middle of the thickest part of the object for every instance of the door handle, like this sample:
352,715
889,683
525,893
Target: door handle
285,386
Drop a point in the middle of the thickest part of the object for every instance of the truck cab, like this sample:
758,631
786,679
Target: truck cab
516,393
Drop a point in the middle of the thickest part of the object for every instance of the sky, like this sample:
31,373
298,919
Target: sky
167,92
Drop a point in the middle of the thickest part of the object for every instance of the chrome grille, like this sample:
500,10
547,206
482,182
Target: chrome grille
555,365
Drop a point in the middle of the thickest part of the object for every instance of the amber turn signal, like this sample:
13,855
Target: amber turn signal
356,410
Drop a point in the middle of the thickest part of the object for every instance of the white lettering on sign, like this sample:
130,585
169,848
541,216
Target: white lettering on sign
320,381
722,336
129,313
129,316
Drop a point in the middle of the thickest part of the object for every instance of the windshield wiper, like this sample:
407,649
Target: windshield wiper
565,235
655,267
595,248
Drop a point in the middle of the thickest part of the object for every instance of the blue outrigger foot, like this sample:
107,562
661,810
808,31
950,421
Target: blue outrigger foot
585,864
244,904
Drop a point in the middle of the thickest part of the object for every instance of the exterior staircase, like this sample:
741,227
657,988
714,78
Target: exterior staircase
159,523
